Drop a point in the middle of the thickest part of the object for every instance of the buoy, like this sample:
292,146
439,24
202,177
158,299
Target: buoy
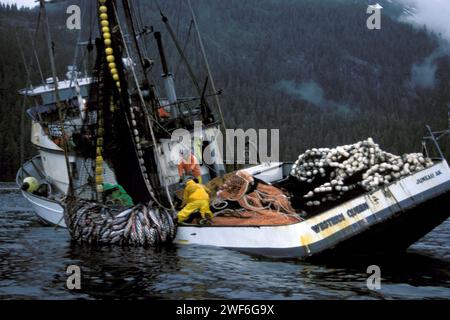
99,170
30,184
363,160
99,160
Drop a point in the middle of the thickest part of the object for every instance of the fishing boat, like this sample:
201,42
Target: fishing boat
117,130
390,219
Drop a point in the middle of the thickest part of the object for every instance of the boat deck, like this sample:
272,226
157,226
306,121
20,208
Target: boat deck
251,218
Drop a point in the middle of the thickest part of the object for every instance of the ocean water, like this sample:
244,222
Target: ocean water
34,260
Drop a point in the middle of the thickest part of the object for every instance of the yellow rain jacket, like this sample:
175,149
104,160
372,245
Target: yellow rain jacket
196,198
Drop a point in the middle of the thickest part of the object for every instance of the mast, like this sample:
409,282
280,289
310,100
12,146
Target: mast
205,58
169,85
57,98
208,69
206,112
22,110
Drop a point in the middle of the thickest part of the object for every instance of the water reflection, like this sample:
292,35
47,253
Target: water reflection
33,262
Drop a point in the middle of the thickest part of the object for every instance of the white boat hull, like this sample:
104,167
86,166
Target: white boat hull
332,227
326,230
49,212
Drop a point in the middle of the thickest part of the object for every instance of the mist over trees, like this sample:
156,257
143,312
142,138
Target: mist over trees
309,68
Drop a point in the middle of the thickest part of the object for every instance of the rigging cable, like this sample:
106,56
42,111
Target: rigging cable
140,26
202,47
28,81
180,51
74,77
22,110
57,97
147,116
33,48
188,36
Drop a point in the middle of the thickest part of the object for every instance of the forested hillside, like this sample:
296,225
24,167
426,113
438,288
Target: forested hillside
309,68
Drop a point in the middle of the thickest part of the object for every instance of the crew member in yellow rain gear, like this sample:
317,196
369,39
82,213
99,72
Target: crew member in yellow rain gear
195,197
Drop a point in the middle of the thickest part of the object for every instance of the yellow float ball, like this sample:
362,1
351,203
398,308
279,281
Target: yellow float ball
102,1
110,58
99,180
100,188
105,29
103,16
107,42
118,84
109,51
115,77
104,23
107,35
103,9
30,184
112,65
113,71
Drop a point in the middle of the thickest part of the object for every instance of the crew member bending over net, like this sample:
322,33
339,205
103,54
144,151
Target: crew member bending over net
196,198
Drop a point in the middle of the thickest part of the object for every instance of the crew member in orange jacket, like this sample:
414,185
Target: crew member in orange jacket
189,165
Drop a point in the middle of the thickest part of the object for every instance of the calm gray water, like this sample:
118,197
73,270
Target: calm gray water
34,259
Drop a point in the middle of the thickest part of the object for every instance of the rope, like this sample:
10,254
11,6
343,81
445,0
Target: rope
33,48
57,98
258,201
147,116
216,204
208,69
188,36
75,55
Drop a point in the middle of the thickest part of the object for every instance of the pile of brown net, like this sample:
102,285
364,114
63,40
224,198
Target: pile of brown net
265,205
259,218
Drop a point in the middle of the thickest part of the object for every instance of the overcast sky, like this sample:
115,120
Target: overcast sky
433,13
28,3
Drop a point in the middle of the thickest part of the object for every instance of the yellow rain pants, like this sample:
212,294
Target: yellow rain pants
191,207
196,198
